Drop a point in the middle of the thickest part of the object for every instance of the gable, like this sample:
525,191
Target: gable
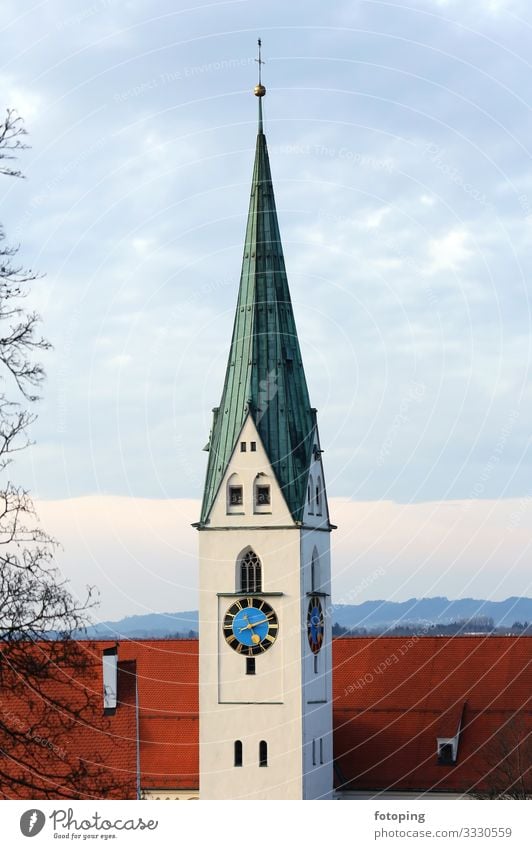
249,470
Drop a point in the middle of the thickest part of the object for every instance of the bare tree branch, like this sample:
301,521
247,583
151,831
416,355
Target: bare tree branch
41,666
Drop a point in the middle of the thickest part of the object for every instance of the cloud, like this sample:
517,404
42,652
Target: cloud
449,252
399,156
142,553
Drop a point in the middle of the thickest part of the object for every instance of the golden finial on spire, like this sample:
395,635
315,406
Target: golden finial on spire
259,89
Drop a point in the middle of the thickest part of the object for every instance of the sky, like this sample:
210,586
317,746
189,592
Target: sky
399,137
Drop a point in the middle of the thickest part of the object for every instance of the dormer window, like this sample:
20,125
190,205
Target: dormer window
235,495
243,446
262,494
447,742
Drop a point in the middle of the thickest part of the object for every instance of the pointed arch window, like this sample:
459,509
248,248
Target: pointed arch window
250,573
318,497
310,495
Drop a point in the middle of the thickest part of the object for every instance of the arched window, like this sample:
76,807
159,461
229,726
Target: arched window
250,573
235,495
310,495
238,752
262,496
263,753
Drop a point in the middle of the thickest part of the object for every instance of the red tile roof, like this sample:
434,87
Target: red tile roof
167,672
52,744
393,696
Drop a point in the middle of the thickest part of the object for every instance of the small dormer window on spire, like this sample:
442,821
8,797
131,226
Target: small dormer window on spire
262,494
235,495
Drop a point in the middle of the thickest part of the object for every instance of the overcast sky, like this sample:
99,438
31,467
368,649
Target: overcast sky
399,138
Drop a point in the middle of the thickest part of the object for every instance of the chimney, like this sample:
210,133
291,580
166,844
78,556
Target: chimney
110,685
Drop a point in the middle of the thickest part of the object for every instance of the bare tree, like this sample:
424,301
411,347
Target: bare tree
506,761
38,614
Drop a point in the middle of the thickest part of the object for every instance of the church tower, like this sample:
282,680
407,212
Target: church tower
264,546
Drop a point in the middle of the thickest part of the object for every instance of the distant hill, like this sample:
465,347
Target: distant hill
148,625
438,610
369,614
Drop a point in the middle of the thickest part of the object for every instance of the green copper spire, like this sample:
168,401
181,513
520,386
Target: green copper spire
264,376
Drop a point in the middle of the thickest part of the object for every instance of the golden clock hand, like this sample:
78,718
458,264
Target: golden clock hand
252,624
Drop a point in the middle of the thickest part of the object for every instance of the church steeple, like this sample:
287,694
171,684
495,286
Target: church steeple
268,581
264,377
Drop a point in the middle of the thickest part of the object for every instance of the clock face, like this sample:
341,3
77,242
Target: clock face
250,626
315,624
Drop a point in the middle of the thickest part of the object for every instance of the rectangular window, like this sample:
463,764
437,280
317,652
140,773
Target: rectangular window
253,446
235,496
263,496
250,666
315,664
242,446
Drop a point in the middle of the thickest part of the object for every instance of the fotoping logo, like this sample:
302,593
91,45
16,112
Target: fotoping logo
32,822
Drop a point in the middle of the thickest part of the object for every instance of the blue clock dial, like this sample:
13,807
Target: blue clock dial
315,624
250,626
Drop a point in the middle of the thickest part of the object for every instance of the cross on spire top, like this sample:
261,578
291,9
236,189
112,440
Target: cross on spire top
260,60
